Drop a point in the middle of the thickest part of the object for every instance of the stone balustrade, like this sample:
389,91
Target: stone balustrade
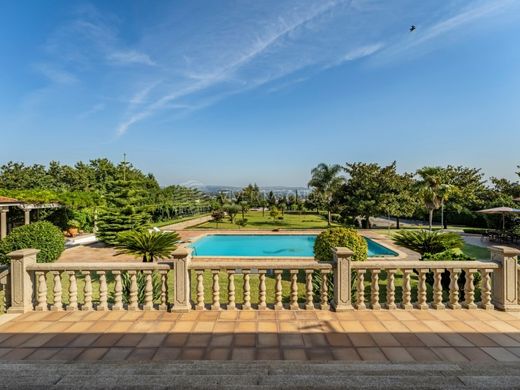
355,285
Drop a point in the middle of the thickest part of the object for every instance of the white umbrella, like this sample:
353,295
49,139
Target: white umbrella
500,210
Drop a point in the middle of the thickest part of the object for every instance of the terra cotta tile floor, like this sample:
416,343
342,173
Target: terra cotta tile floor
395,336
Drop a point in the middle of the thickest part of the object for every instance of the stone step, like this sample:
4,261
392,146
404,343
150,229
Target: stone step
258,375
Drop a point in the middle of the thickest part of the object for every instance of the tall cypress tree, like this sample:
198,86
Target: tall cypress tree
125,210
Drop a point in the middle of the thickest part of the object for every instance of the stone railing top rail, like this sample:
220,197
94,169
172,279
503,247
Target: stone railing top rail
98,267
447,264
259,265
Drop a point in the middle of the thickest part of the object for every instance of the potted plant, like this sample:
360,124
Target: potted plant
73,227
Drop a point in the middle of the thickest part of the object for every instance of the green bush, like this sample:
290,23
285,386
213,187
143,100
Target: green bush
455,254
39,235
340,237
424,241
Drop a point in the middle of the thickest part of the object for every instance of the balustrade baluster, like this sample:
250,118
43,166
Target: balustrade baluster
360,285
278,305
118,291
390,289
87,291
200,289
247,291
231,290
486,290
309,291
262,304
73,291
325,289
133,299
58,305
407,290
215,290
437,289
42,291
374,290
103,291
454,289
164,290
469,289
422,304
293,305
148,290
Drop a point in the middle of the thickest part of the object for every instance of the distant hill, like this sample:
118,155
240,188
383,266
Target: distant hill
277,190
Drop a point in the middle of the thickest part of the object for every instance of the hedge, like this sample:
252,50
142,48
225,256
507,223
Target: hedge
39,235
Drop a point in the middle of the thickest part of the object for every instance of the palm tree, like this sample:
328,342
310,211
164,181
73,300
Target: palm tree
326,181
432,190
148,245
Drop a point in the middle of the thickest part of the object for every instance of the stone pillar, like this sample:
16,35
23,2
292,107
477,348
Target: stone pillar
3,222
505,279
27,216
181,290
22,282
342,279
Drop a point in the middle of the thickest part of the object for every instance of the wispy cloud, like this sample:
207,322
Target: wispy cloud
55,74
129,57
95,108
426,34
212,75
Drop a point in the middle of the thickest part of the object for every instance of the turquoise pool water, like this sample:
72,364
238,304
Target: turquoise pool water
268,245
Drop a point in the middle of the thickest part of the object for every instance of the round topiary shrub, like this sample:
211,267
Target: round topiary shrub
39,235
340,237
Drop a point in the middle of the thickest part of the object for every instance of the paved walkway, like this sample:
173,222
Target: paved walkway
382,336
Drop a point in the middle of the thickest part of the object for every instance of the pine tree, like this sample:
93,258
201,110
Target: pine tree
124,210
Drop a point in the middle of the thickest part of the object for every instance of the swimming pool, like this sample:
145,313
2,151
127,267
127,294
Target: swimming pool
269,245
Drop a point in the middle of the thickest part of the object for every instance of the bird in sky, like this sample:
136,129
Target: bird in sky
412,28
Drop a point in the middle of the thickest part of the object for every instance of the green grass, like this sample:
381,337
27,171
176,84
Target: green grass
256,221
477,252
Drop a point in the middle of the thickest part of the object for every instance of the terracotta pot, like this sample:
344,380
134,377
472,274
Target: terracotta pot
73,232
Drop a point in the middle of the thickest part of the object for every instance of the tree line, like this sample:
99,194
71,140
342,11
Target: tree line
358,191
90,191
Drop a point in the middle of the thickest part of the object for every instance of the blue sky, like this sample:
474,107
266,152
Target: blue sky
232,92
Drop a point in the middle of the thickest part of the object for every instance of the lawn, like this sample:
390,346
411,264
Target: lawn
177,220
257,221
477,252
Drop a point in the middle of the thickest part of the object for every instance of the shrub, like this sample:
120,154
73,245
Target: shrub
340,237
455,254
73,223
242,222
336,237
39,235
424,241
147,245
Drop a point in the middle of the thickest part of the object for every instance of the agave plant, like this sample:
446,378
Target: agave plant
126,282
424,241
148,245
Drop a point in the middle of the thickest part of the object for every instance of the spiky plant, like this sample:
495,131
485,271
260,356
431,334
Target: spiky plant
424,241
148,245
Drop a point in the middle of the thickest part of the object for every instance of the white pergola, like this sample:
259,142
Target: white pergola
6,202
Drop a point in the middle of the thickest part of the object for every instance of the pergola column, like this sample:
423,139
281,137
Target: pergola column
3,222
27,216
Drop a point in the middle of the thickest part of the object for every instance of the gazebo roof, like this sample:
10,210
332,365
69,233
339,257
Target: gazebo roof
5,201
